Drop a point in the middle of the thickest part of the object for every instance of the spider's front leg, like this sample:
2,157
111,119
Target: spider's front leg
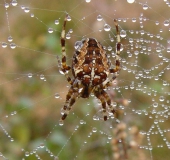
63,40
62,64
63,71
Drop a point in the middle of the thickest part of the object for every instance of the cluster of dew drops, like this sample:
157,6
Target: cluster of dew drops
78,44
10,38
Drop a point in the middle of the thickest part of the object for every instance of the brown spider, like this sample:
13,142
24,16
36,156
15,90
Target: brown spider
90,69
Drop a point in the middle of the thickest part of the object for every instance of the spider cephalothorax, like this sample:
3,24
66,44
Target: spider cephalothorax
90,69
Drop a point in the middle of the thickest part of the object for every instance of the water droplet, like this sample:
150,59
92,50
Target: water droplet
122,33
10,39
137,76
27,154
22,7
29,75
133,19
14,2
61,72
109,48
94,129
158,49
155,104
50,30
56,22
32,15
6,5
145,6
13,45
130,1
121,47
56,158
26,9
42,77
107,27
136,52
165,83
99,17
95,118
70,31
166,23
68,18
156,78
112,39
81,122
131,40
168,49
61,123
161,98
157,23
78,45
4,45
156,121
68,36
88,1
57,95
42,145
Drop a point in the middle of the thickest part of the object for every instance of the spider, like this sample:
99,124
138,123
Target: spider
90,69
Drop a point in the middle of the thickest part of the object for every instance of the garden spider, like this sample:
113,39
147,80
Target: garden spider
90,69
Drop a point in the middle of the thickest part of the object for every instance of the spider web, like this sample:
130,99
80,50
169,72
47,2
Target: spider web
33,91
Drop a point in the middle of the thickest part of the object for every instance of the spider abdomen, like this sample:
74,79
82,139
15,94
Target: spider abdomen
90,63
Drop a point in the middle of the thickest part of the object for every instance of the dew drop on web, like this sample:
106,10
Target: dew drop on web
107,27
14,2
99,18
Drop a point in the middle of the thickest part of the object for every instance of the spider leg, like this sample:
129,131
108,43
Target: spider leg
62,65
70,100
117,61
102,99
118,45
65,73
68,96
108,100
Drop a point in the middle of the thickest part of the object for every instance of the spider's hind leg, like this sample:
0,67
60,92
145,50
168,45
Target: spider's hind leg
108,100
102,99
70,100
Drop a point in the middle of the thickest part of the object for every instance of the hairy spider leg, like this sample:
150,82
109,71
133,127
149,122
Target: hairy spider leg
65,73
117,61
108,100
102,99
70,100
64,67
68,96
